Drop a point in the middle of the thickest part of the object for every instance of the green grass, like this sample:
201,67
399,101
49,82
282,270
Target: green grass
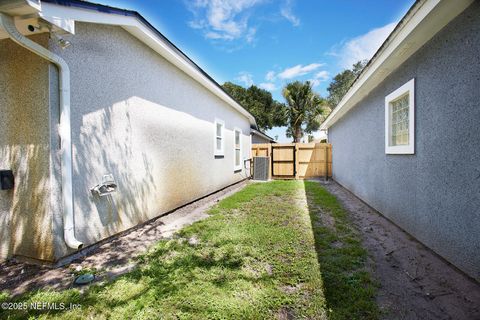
255,259
349,289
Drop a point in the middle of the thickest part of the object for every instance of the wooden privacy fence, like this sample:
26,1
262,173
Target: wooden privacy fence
296,160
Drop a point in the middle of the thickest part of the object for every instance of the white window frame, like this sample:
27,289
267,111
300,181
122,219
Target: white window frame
407,88
220,152
235,167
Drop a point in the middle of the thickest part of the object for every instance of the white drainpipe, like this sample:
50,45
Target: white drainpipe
8,24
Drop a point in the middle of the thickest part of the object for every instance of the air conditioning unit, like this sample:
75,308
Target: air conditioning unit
260,168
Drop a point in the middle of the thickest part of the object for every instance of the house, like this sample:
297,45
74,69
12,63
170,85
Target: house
105,125
260,137
416,106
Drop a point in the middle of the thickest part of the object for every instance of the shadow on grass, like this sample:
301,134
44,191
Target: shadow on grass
349,289
163,273
160,275
254,258
234,269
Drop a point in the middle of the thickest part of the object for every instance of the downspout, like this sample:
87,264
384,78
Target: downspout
8,24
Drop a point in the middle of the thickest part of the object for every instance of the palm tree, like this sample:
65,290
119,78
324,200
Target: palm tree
305,109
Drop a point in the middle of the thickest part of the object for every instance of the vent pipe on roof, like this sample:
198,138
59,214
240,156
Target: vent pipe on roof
7,23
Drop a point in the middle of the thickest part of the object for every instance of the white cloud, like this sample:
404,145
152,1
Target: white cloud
250,36
319,77
270,76
268,86
299,70
364,46
223,19
322,75
286,12
245,77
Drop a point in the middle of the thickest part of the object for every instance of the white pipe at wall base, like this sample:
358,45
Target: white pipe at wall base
7,23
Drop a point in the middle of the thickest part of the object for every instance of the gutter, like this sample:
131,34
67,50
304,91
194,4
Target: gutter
7,23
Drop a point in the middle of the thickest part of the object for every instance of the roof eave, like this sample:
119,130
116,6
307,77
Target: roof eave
261,134
139,27
424,19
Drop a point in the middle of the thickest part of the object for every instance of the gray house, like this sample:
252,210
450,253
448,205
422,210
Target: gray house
260,137
105,124
406,137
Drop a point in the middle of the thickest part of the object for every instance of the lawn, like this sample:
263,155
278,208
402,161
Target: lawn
283,249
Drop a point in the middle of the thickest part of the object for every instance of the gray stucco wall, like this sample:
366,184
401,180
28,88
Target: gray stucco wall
259,139
25,211
138,117
435,193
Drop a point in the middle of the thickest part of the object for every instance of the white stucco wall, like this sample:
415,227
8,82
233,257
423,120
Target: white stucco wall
138,117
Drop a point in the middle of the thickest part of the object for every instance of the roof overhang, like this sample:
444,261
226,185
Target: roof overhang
424,19
261,134
63,14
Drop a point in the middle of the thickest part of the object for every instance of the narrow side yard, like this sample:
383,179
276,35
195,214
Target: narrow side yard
255,257
415,283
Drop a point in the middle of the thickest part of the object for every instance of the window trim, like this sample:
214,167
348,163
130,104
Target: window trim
407,88
217,152
235,167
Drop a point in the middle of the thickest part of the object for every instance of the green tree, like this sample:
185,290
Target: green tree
259,102
342,82
305,108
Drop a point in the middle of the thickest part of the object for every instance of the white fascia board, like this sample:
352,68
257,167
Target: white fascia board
67,25
150,38
84,15
429,17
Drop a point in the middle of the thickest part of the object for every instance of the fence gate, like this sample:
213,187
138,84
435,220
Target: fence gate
283,161
296,160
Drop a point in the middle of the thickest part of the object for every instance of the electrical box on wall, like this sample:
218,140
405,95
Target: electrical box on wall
7,180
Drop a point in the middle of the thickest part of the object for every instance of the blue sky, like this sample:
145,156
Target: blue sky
272,42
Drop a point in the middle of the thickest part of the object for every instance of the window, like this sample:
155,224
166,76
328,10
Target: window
237,146
400,120
219,137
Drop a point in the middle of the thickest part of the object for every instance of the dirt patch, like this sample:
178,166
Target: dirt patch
326,220
415,283
285,314
291,289
111,259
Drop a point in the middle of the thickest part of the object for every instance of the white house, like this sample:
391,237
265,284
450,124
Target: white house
105,124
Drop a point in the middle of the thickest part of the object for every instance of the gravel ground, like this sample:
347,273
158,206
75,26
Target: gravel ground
113,257
415,282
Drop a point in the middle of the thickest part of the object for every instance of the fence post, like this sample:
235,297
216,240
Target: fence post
270,165
296,161
326,162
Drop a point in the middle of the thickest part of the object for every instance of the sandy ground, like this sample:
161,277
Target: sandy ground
415,282
113,257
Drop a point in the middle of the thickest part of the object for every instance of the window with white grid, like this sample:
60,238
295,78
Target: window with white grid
219,138
237,149
399,120
399,109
